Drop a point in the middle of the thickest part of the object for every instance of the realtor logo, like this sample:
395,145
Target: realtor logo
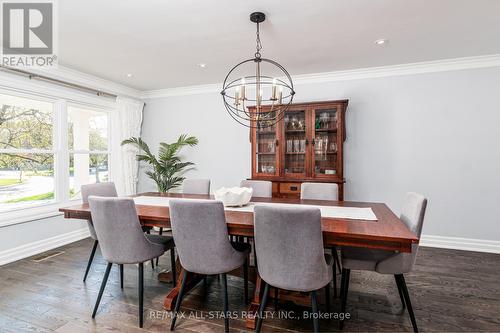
28,33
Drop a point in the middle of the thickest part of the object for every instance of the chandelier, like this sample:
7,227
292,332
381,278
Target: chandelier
255,83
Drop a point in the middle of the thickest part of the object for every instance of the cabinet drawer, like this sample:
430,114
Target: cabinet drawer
289,187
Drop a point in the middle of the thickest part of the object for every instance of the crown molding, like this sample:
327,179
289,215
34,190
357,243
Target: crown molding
354,74
77,77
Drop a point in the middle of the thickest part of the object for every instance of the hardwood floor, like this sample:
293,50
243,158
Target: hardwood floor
451,291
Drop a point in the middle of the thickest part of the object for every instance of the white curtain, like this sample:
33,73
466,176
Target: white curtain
126,123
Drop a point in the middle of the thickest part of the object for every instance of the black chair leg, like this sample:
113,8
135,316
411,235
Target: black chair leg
173,268
103,285
245,279
92,253
276,296
262,307
406,295
344,291
121,276
327,298
179,299
141,294
225,301
160,232
336,259
400,291
334,268
314,304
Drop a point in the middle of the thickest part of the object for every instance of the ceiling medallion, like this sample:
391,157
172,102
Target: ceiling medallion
255,83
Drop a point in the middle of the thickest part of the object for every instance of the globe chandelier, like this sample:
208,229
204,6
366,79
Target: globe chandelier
255,83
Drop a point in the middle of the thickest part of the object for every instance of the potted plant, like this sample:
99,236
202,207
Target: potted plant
166,169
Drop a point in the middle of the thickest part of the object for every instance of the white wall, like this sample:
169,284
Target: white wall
434,133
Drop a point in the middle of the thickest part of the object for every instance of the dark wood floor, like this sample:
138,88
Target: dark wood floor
451,291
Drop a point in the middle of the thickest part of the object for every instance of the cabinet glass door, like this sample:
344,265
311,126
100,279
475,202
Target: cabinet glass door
325,142
266,149
295,142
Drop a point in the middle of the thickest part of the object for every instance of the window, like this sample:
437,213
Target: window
36,151
26,152
88,148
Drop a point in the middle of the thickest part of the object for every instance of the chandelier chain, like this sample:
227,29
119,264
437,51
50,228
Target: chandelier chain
259,44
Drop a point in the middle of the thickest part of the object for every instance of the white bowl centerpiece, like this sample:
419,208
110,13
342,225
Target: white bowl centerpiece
234,196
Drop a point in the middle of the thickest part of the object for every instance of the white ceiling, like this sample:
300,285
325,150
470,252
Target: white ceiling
161,42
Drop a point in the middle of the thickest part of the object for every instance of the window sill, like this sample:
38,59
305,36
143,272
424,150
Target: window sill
31,214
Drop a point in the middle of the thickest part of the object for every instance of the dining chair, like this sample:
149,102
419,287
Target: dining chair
261,188
387,262
289,244
122,240
191,186
196,186
324,191
203,247
107,189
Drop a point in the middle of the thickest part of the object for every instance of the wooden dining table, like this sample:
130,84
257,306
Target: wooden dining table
387,232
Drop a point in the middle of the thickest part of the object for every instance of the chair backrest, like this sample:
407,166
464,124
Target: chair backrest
319,191
99,189
289,247
196,186
412,215
120,235
261,188
200,235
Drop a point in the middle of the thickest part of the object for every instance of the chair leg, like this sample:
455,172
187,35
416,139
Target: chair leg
276,295
152,264
103,285
245,279
141,294
92,253
406,295
334,269
121,276
400,291
172,264
336,259
160,232
314,304
179,299
344,291
262,307
225,301
327,298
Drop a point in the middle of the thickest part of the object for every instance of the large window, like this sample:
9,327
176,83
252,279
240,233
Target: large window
36,151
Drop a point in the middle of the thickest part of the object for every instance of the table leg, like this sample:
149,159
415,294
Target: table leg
253,309
191,282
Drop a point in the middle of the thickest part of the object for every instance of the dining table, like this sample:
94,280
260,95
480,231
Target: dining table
384,231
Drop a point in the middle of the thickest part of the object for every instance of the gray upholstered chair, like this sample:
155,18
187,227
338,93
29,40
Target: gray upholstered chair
319,191
261,188
324,191
289,244
386,262
122,240
203,246
196,186
103,190
192,186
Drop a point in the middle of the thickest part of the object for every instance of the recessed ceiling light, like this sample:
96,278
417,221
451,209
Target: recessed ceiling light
381,41
129,75
202,65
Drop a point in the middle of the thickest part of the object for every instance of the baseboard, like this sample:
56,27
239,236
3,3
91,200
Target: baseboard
28,250
456,243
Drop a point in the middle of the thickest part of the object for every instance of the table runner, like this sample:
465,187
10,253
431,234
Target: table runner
354,213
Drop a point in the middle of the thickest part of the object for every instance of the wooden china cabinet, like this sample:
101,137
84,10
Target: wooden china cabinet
306,145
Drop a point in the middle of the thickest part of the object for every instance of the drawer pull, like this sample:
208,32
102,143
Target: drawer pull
293,188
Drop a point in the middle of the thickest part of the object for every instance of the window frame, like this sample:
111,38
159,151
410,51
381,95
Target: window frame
61,155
